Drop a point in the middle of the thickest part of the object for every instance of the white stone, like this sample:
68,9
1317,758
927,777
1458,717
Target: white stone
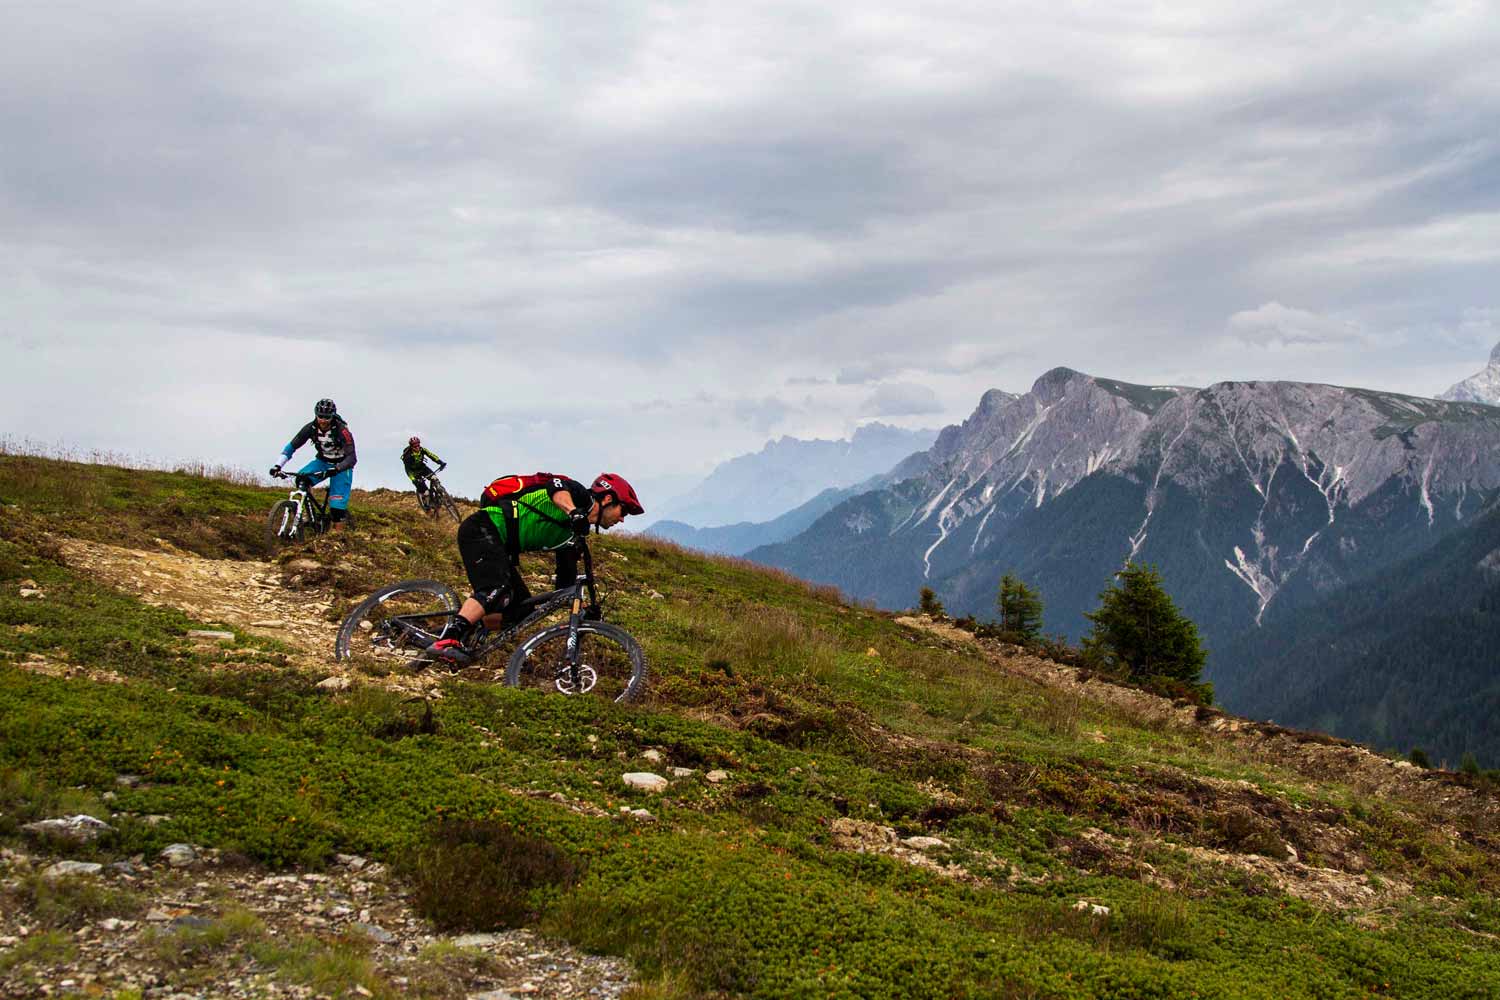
63,869
1093,909
654,756
179,855
645,781
30,593
642,815
476,940
80,827
924,843
681,772
203,633
717,776
336,683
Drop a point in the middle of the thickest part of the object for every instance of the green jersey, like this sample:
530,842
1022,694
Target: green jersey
540,523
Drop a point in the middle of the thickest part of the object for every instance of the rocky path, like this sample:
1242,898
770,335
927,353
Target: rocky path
251,596
191,924
280,601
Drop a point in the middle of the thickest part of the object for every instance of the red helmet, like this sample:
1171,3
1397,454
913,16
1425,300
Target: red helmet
415,441
609,482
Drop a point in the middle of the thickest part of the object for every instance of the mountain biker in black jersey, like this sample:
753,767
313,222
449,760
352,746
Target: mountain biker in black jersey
334,444
413,457
544,518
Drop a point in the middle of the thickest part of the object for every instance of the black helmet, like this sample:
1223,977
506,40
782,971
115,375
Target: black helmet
326,408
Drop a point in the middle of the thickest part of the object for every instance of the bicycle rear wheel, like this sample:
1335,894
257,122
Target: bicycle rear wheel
610,663
397,623
282,527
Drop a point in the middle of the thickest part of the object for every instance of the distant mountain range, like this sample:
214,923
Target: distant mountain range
787,473
1481,388
1263,503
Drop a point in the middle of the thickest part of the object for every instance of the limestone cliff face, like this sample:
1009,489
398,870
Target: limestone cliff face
1481,388
1270,485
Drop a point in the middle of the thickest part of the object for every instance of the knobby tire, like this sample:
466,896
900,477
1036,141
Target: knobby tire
612,654
280,527
431,598
447,503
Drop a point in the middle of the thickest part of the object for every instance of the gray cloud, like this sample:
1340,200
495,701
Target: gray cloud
777,207
902,399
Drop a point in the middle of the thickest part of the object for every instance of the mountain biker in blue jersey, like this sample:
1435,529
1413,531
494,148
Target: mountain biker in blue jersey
543,518
334,444
413,457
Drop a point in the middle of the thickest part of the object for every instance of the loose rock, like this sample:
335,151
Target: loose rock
179,855
75,828
645,781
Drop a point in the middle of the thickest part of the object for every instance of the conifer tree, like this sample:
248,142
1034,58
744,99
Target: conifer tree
1138,628
1020,608
929,603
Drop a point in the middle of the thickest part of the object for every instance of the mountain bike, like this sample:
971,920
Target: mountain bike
584,655
299,515
437,500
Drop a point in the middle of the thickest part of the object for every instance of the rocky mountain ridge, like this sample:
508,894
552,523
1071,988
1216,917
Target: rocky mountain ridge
1482,387
1249,496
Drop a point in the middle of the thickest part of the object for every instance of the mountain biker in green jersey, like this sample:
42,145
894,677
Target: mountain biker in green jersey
543,518
413,457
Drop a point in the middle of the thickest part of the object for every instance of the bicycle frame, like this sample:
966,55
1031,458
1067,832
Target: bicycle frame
303,496
581,597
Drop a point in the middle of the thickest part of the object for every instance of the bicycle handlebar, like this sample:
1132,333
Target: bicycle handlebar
302,480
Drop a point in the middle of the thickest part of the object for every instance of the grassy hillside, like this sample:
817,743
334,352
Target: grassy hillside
1234,860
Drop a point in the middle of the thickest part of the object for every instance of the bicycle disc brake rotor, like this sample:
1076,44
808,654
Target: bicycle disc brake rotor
587,678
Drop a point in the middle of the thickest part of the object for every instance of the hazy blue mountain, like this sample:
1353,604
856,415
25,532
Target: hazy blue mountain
789,472
737,539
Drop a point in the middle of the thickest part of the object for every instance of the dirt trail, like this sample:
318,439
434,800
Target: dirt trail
260,598
251,596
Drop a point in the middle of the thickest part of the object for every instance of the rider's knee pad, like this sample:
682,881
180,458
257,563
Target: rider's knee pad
494,601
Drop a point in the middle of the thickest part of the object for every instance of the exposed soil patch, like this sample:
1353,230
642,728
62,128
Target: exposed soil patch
290,601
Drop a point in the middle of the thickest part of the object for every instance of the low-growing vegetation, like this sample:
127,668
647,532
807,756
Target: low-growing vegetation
900,815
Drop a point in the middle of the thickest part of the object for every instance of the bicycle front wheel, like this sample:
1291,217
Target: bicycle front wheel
281,526
397,623
610,663
446,500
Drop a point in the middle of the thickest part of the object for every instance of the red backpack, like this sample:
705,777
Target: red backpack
510,485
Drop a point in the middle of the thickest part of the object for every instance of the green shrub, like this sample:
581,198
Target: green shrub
481,875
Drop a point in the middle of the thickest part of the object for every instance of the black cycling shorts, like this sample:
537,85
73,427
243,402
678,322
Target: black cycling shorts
495,579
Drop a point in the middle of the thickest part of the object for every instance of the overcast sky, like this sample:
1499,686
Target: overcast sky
649,236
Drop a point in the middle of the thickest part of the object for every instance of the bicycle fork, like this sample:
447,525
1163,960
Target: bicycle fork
574,676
